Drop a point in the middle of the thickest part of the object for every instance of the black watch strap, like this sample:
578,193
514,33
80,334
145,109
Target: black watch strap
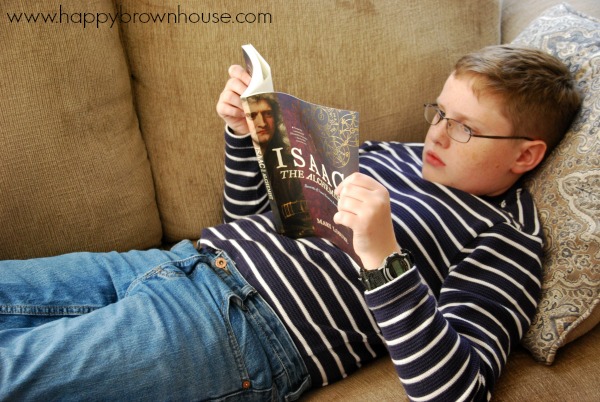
392,267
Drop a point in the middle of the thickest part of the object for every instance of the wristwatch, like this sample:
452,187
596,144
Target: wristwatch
393,266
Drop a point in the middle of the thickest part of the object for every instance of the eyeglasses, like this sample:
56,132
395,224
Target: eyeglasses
456,130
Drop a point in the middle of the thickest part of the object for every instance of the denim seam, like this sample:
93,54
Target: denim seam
44,310
233,342
160,271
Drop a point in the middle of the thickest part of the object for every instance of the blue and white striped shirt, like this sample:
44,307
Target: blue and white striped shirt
448,324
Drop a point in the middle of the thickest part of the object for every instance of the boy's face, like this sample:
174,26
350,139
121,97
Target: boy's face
481,166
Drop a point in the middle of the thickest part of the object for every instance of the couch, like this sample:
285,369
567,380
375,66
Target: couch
109,138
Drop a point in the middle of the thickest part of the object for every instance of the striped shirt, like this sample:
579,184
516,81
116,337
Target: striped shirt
448,324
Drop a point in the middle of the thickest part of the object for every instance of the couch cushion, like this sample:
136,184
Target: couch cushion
74,173
572,378
566,189
383,59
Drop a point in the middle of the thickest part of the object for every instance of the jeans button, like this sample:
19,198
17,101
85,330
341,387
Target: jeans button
221,263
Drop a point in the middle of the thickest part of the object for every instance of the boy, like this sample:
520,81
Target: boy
449,240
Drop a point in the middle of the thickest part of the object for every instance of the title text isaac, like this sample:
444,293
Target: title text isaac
320,176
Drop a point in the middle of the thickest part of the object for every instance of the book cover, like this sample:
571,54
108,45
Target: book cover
304,151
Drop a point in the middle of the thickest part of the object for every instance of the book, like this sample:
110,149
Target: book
304,151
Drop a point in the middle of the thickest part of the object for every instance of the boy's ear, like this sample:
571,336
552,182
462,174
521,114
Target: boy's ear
532,153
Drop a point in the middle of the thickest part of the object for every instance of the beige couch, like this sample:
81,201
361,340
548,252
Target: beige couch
109,139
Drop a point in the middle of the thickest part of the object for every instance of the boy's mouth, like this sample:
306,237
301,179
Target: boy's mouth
433,159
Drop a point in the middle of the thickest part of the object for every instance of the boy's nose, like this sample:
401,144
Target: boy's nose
439,134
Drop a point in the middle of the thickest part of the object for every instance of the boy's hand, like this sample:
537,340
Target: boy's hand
364,207
229,106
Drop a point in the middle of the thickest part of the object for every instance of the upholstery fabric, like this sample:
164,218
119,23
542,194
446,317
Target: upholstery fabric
334,53
74,173
570,378
566,189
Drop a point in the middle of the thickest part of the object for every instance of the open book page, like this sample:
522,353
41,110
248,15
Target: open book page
259,70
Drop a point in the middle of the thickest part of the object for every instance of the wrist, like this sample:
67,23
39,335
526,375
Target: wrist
229,130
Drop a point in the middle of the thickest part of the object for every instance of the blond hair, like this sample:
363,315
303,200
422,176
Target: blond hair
539,93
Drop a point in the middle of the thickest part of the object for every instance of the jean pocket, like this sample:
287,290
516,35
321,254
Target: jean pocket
253,365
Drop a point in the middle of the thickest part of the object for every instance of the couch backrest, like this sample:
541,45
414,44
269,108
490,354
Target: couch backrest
74,172
381,58
77,102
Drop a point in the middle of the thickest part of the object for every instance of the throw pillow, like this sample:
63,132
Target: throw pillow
567,190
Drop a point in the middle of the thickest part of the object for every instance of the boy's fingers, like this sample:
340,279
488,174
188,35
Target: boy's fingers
349,204
237,71
344,218
237,86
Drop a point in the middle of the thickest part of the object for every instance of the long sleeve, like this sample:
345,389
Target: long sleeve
451,322
455,347
245,192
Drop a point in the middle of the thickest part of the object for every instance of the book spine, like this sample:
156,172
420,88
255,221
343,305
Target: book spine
262,166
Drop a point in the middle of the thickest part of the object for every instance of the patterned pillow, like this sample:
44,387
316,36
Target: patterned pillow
567,190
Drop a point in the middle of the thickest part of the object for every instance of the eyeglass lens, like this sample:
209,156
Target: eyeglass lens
454,129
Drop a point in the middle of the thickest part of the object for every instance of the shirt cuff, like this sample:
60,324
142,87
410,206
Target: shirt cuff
237,141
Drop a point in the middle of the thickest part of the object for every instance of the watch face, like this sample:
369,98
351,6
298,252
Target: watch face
398,264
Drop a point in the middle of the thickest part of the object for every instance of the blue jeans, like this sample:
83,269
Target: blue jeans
142,325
